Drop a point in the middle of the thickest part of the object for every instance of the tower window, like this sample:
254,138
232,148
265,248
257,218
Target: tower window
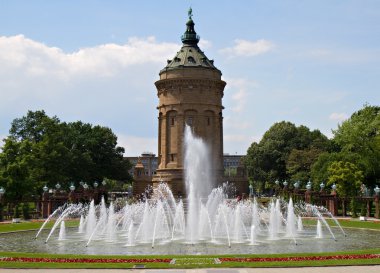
208,121
172,121
191,60
172,157
190,121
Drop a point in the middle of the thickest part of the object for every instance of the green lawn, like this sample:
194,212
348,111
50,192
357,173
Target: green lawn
347,223
10,227
188,261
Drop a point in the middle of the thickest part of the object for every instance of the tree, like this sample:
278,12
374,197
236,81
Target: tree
360,135
319,169
15,163
43,150
267,160
348,179
299,163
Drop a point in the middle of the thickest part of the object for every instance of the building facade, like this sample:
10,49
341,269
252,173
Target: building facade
144,169
190,92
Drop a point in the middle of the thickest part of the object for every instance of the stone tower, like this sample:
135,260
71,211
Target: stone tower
190,91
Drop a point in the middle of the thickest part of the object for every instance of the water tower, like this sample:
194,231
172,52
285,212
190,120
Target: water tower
190,91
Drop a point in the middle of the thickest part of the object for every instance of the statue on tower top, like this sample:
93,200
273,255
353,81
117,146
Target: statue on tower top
190,13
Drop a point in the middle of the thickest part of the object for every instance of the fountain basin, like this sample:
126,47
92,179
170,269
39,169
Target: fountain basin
74,244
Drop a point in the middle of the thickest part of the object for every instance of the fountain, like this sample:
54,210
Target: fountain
62,232
207,221
319,230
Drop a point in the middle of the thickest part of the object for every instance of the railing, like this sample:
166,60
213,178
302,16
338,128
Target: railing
190,36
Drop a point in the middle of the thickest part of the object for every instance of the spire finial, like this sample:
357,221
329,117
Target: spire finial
190,13
190,36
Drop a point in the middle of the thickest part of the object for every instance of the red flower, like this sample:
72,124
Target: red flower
156,260
304,258
82,260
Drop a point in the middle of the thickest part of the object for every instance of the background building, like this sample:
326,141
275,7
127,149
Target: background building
144,168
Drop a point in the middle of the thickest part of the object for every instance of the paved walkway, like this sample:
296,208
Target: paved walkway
336,269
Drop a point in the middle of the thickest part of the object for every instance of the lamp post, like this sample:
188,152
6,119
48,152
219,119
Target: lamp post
377,205
46,207
308,186
58,186
2,192
85,186
296,185
377,190
322,186
277,183
250,190
285,184
96,184
71,194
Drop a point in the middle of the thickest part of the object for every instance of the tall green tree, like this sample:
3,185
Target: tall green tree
348,179
360,135
267,160
299,163
43,150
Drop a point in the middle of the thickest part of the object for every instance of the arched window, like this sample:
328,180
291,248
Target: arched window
191,60
189,121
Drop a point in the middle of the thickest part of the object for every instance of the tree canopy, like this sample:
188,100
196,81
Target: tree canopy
285,152
296,153
43,150
360,134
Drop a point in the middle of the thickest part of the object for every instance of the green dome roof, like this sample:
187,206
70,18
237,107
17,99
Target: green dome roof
190,54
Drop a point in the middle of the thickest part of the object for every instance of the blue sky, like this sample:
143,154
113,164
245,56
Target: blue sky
308,62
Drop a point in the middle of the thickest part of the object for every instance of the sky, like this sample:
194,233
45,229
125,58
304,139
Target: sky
312,62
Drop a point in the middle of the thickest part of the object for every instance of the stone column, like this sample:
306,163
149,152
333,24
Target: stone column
308,196
333,204
369,205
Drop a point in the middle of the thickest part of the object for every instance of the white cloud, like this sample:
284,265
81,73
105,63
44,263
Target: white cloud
248,48
239,88
204,44
110,84
338,116
36,59
135,146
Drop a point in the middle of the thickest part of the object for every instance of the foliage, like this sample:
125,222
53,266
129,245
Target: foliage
16,213
268,160
348,179
360,134
42,150
299,163
319,170
25,211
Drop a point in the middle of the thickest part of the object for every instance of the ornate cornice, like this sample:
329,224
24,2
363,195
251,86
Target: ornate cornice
175,85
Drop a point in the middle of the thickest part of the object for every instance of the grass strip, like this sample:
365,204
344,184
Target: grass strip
347,223
34,225
31,260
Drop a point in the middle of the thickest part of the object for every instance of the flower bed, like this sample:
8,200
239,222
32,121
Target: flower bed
302,258
182,261
81,260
